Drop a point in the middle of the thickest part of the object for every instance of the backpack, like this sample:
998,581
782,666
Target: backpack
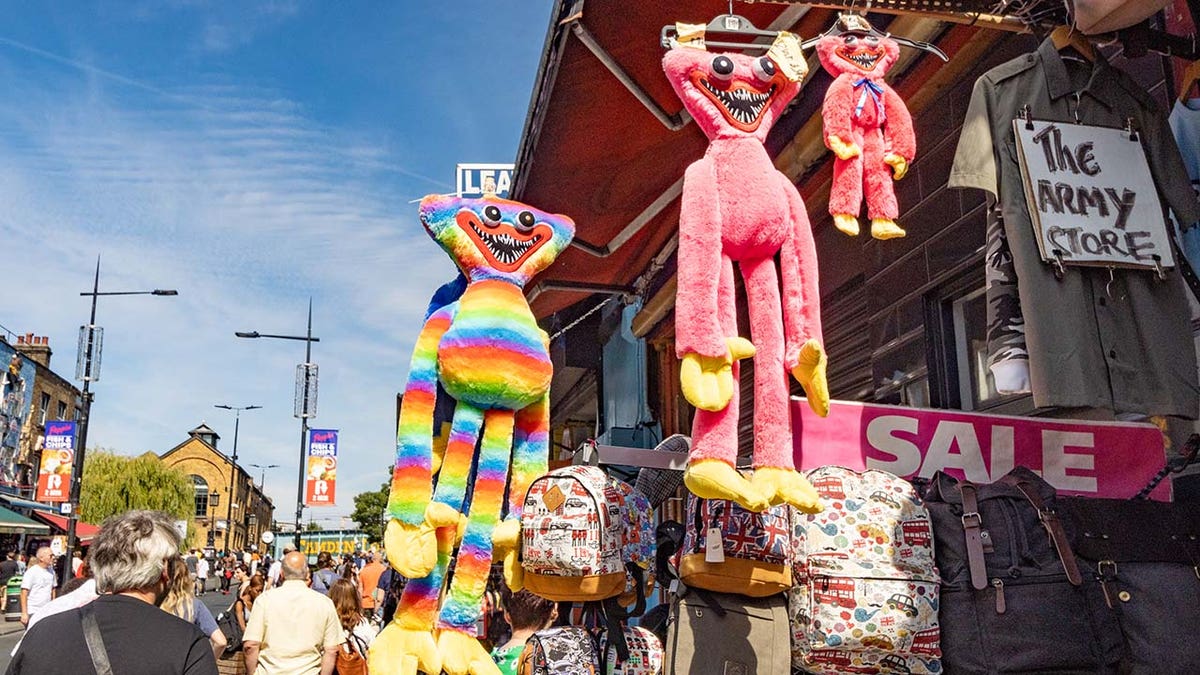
354,661
322,579
645,653
584,536
558,650
866,593
755,554
727,634
1013,597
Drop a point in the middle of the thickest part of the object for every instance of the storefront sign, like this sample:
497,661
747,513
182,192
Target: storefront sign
476,179
58,457
1094,459
1091,196
322,467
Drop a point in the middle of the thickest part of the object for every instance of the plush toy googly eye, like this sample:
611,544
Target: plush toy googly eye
722,68
491,215
525,220
764,69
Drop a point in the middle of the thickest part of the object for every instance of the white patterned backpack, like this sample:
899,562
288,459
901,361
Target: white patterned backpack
865,598
584,536
645,653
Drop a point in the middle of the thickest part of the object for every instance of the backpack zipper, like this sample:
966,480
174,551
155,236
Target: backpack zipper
998,584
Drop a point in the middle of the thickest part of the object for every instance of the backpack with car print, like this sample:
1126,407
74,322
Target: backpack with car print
866,593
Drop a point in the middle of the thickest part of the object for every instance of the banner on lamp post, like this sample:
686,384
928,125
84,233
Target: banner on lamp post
321,473
58,458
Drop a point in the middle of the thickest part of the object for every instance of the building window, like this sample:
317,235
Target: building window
977,387
45,407
201,487
62,410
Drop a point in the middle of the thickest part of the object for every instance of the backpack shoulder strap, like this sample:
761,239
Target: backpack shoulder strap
94,640
973,529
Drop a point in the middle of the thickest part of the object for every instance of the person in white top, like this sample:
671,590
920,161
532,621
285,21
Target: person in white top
276,567
201,575
76,563
37,585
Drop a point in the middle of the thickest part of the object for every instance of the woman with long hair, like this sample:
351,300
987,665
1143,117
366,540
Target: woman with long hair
182,602
358,632
253,588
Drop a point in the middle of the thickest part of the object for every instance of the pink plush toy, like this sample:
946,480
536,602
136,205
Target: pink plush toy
737,208
866,125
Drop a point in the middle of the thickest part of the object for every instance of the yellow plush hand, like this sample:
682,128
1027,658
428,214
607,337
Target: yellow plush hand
463,655
810,373
899,165
411,549
707,381
843,149
506,544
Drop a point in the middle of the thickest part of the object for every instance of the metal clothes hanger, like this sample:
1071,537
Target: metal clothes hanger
1066,37
730,24
850,22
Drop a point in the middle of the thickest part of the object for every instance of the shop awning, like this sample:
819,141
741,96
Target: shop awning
12,522
27,504
83,530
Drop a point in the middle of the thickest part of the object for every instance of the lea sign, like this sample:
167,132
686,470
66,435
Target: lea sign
1092,459
474,179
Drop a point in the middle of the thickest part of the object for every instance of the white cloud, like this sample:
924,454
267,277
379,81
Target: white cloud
233,195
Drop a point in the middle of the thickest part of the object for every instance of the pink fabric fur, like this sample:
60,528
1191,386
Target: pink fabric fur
737,208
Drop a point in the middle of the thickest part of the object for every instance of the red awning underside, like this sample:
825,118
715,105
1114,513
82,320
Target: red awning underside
83,531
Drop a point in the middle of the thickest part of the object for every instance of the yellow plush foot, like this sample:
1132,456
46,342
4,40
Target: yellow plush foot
411,549
846,223
463,655
506,544
400,651
886,228
707,381
786,486
810,372
714,479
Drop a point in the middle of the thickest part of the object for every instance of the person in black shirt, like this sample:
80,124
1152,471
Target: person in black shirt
130,558
8,570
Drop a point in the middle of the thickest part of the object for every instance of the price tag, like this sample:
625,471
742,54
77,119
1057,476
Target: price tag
788,54
714,546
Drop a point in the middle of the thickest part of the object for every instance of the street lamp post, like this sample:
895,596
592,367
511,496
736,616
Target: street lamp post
306,381
262,480
88,370
237,419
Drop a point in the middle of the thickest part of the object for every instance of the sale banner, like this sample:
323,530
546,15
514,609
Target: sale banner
58,458
1092,459
321,472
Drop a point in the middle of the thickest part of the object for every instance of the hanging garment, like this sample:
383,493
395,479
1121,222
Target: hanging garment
1092,340
1185,124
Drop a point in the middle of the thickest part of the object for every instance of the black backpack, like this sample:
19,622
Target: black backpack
1013,597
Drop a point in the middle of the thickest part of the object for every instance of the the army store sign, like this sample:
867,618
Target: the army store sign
1091,196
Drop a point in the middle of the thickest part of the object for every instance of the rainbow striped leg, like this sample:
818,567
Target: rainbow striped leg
412,477
531,452
419,603
461,606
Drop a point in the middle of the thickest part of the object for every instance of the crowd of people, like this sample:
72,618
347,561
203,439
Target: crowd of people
134,607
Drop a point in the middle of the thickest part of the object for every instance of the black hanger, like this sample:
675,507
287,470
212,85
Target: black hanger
723,25
848,22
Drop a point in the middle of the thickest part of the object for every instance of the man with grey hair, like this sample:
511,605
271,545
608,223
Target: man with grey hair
122,631
292,630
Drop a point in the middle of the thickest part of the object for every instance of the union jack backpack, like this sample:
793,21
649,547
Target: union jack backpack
731,550
585,536
866,593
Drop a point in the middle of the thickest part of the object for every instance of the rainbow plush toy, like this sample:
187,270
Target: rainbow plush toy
867,126
487,352
737,208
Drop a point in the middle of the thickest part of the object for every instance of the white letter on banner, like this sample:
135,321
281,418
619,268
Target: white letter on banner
1056,460
1002,450
907,455
969,458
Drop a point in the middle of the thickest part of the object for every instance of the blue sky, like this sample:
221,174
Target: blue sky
250,155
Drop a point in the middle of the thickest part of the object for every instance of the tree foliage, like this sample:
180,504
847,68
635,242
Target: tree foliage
369,508
115,483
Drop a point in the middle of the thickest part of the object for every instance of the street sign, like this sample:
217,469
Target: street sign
321,481
58,545
475,179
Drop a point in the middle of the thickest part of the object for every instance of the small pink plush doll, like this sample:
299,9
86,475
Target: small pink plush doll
867,126
737,208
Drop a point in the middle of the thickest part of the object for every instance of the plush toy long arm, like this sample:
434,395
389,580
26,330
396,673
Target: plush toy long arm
898,134
836,113
697,329
412,476
804,354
